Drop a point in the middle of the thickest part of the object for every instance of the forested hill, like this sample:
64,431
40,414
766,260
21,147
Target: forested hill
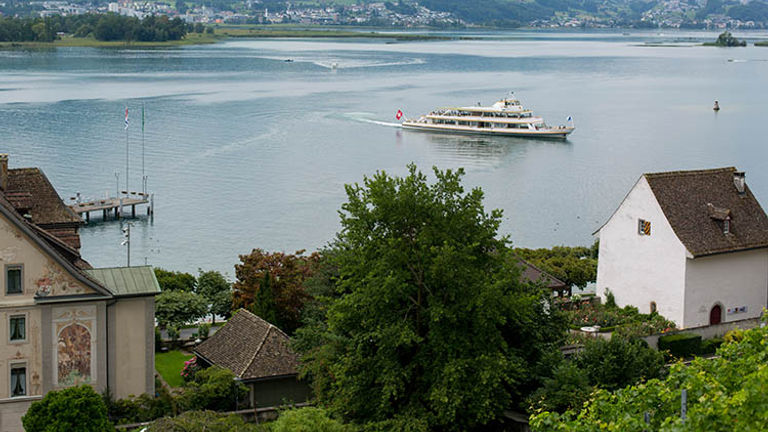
630,13
447,13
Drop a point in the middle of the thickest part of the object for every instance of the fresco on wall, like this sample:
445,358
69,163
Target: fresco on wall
56,282
74,355
74,345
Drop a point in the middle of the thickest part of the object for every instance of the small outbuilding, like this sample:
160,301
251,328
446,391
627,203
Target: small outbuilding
260,356
531,273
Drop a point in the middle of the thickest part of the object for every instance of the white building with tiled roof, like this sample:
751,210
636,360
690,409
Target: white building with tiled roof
692,245
63,323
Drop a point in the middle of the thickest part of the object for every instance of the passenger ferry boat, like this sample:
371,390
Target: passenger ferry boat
506,117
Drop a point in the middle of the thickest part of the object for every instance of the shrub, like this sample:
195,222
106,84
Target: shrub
308,419
709,346
204,330
72,409
735,335
681,344
203,421
138,409
190,369
158,340
213,388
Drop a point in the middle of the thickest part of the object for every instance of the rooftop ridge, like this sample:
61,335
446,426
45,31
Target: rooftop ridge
689,172
261,344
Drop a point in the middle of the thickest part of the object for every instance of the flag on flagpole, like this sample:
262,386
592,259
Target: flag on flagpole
399,115
570,119
126,118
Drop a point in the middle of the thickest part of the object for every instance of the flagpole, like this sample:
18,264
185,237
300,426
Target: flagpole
126,150
143,178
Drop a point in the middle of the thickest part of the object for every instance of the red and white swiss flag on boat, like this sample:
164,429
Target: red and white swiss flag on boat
399,115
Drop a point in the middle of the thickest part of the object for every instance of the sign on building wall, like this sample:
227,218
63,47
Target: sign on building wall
737,310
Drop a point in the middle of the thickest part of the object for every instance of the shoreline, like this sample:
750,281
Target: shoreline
224,33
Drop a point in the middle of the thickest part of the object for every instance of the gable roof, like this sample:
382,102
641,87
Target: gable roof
695,202
251,348
531,273
32,189
127,281
62,254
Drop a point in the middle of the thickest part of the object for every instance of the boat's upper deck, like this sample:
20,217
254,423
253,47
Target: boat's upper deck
486,119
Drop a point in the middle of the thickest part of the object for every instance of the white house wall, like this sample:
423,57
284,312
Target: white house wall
733,280
640,269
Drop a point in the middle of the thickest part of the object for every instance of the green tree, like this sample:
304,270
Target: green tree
568,388
175,281
176,308
572,265
619,362
726,39
432,329
215,288
203,421
75,408
309,419
264,303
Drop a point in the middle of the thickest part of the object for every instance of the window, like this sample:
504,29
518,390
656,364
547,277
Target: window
727,226
18,380
17,328
13,278
643,227
653,307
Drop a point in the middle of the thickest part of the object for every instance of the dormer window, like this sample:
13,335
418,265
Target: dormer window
643,227
721,215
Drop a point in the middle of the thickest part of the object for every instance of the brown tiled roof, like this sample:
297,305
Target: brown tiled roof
531,273
695,204
46,207
60,251
251,348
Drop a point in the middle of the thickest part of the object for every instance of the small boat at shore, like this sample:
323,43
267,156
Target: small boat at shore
506,117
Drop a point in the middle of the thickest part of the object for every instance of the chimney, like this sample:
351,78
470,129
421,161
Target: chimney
3,171
738,181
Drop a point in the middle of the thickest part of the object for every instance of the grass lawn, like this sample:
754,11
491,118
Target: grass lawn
169,365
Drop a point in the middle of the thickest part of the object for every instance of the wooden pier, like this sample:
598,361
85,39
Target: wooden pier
114,205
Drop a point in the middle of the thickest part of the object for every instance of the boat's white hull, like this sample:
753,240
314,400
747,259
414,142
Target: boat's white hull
557,133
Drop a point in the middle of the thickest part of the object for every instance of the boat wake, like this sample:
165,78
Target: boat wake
363,118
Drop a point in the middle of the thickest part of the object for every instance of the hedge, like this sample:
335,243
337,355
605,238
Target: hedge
681,344
709,346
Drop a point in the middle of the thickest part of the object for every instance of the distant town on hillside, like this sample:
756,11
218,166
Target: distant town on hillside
694,14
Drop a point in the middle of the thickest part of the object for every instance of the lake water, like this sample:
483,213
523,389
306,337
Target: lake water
245,150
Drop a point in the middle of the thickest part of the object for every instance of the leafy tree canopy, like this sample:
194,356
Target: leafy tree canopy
176,308
75,408
431,328
175,281
203,421
725,393
271,285
572,265
215,288
617,363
